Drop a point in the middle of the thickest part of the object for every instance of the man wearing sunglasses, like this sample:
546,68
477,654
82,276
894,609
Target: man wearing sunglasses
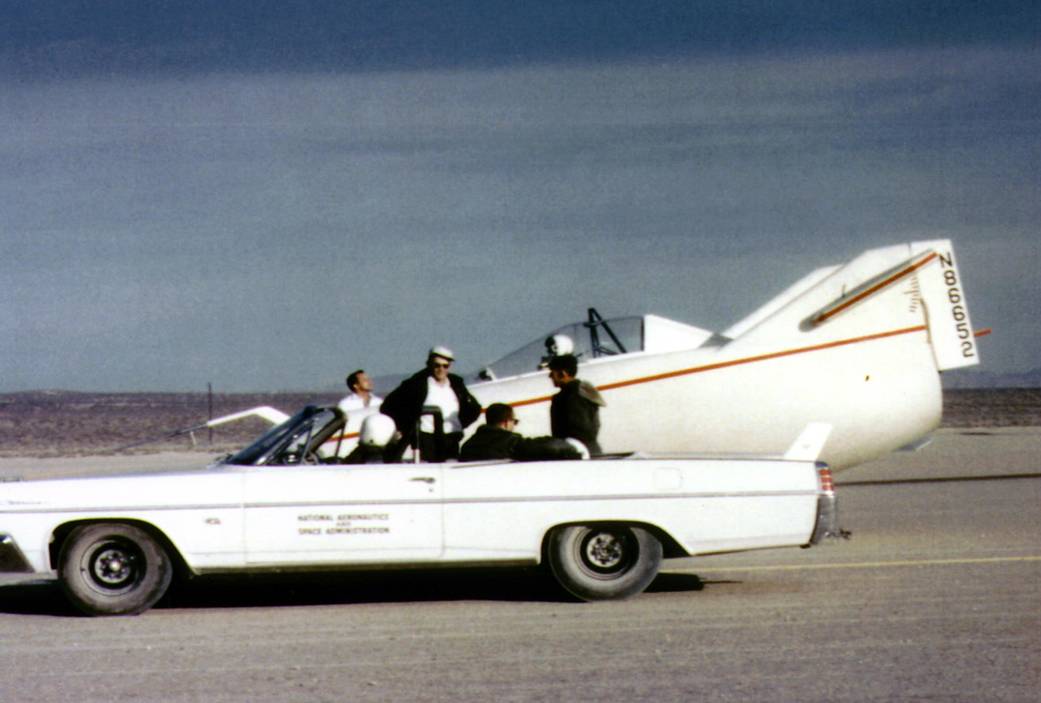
438,402
498,439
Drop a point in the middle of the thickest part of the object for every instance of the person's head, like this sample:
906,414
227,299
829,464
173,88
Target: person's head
439,361
500,415
359,382
563,369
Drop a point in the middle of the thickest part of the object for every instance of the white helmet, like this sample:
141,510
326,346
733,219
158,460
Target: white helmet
377,430
579,446
559,344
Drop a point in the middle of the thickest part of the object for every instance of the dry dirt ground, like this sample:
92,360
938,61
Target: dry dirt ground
936,597
62,423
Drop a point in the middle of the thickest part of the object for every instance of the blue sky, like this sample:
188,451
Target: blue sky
266,197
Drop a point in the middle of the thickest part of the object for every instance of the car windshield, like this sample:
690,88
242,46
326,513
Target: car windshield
294,441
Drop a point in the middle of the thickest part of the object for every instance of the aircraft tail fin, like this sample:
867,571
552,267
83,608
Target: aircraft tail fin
881,292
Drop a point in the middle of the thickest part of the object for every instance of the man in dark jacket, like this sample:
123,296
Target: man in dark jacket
432,388
496,440
575,410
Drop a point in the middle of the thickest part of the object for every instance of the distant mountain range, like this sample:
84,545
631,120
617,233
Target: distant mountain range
975,378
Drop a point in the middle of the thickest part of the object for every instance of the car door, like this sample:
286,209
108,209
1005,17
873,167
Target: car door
343,514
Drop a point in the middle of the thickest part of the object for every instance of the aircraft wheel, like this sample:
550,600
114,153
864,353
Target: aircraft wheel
603,562
113,569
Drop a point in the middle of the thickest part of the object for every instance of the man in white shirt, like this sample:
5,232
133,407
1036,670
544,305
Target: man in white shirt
361,395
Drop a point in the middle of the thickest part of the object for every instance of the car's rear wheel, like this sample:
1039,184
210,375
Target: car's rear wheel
113,569
602,562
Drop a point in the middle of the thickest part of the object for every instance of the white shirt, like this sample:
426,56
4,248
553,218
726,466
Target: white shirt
356,402
443,397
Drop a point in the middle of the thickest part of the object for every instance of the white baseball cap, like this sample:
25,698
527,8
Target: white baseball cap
443,352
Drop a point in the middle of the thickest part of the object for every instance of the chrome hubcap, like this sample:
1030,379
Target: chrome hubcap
112,567
604,552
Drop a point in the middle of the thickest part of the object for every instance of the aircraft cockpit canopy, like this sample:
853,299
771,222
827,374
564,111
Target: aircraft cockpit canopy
598,337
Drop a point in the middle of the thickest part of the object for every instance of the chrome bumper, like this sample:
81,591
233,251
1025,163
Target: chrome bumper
827,518
12,561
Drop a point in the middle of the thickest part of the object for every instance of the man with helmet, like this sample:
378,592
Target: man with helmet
434,389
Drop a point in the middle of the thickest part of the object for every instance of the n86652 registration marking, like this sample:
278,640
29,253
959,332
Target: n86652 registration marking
957,307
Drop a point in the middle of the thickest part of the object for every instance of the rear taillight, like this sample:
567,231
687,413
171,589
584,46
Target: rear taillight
827,484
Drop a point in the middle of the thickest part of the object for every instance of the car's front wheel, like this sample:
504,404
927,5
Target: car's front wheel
602,562
113,569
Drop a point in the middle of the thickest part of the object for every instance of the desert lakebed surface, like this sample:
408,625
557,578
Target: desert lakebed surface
937,596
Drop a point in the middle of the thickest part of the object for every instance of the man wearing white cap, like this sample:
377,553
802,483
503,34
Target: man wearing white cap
433,387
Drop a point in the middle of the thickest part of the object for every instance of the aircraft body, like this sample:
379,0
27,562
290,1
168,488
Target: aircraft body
857,346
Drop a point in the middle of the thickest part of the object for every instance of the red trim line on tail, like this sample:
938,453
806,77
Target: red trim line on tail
828,314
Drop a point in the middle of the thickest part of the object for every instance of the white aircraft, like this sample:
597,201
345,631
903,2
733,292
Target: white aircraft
857,347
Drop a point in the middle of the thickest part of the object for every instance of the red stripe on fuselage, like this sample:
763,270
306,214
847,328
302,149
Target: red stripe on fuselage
718,365
737,362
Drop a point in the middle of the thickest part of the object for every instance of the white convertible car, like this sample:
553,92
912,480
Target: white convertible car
602,526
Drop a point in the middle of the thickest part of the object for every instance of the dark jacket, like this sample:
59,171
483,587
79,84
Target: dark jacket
575,412
491,442
365,454
405,403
